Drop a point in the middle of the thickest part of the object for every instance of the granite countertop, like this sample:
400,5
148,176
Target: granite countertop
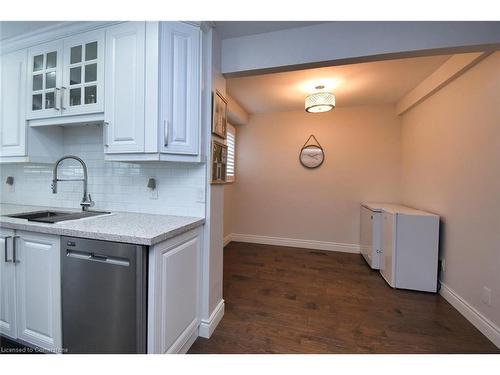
127,227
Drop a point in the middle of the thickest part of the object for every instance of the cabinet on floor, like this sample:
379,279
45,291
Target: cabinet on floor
31,288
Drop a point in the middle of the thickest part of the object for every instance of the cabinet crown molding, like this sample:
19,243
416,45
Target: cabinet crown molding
50,33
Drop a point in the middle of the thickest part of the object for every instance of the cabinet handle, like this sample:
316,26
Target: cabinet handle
105,128
14,260
62,97
57,95
5,238
165,133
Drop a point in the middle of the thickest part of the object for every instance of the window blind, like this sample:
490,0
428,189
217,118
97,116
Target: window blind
231,148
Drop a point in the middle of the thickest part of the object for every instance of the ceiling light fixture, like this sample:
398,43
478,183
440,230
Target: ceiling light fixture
321,101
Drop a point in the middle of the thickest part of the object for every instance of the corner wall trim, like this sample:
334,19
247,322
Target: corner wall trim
483,324
207,326
227,240
294,242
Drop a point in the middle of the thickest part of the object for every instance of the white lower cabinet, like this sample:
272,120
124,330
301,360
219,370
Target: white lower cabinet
173,296
7,286
31,262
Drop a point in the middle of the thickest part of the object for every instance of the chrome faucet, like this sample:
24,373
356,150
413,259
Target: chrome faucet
87,199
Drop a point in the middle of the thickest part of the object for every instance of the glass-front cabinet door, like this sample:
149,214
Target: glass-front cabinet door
83,75
66,77
44,80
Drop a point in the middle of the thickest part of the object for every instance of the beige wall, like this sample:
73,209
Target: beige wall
275,196
228,209
451,166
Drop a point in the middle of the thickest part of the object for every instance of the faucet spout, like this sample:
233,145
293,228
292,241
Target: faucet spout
87,199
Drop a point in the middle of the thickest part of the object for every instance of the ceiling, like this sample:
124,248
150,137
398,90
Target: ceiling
380,82
10,29
234,29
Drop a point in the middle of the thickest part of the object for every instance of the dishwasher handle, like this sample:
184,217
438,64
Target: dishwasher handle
94,257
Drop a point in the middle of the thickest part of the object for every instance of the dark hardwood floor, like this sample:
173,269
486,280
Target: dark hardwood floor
288,300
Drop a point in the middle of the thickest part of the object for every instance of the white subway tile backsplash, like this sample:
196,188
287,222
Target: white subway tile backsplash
114,186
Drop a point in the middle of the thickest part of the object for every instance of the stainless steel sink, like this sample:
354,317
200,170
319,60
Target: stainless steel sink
50,216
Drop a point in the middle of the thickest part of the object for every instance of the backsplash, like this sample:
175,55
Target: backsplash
114,186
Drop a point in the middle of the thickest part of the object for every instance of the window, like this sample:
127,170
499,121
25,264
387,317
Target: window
231,146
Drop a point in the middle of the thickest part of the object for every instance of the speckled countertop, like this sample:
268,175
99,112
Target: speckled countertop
127,227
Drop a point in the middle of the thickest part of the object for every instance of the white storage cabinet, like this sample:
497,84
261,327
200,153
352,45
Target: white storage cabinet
371,233
410,241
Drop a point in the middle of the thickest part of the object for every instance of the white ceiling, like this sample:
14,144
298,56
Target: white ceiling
380,82
234,29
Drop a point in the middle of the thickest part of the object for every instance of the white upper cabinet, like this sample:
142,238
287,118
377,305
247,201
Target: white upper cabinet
44,80
153,92
83,74
12,104
125,88
180,92
66,77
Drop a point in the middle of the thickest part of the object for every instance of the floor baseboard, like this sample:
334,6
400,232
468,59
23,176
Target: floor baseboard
483,324
207,326
228,239
293,242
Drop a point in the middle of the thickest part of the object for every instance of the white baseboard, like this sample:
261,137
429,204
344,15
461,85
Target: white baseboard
293,242
228,239
185,340
207,326
483,324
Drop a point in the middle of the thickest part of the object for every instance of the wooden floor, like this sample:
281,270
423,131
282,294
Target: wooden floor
288,300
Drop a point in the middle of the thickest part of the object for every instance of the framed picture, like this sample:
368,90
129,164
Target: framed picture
219,113
219,162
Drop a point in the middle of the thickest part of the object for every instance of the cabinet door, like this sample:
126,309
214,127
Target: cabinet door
44,80
83,74
366,235
173,300
7,285
180,88
388,239
124,91
38,282
13,104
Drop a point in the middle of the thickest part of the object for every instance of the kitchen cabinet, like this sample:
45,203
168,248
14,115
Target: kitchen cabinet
370,234
32,312
7,286
125,88
173,298
153,92
12,104
65,79
410,241
180,93
18,142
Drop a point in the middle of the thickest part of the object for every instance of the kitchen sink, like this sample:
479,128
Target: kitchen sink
50,216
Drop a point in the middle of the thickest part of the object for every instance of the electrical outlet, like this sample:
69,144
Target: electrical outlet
486,297
11,188
153,193
443,265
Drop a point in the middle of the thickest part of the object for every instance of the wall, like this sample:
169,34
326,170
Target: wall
114,186
228,209
274,195
450,166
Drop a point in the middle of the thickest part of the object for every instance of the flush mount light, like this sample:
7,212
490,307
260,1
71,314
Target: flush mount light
321,101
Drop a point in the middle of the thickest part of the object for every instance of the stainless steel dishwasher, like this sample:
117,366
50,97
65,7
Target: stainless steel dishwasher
104,296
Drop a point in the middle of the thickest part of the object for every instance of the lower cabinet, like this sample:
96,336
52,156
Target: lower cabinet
173,296
31,293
